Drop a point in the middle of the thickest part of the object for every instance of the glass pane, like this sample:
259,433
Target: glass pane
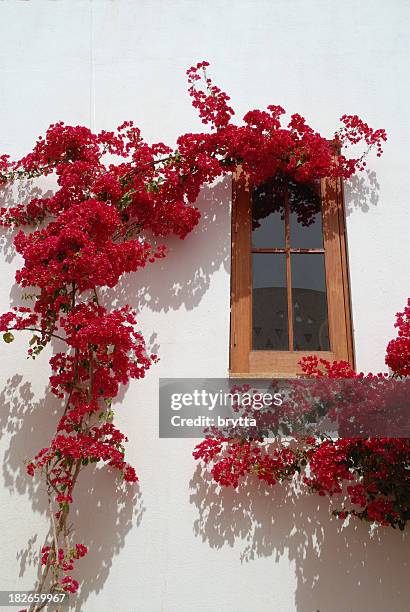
268,225
305,216
269,302
309,303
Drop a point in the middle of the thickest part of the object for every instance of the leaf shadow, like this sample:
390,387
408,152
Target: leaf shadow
102,512
361,192
339,567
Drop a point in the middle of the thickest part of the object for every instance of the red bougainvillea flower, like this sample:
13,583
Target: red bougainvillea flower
398,349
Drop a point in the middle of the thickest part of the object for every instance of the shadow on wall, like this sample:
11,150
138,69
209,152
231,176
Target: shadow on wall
103,514
183,277
361,192
21,192
26,421
338,569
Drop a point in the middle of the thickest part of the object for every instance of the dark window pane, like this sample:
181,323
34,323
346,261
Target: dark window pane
269,302
268,225
305,216
309,303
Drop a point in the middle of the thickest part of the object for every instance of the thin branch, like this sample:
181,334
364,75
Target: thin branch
96,296
53,523
40,331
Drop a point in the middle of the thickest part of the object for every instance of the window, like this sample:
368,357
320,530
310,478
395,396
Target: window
290,288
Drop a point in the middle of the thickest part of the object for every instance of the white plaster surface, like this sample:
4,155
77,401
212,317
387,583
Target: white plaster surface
182,545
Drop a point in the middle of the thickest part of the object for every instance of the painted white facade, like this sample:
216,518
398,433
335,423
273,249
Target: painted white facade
182,546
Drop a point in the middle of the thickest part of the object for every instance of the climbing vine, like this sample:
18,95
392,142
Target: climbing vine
370,476
117,197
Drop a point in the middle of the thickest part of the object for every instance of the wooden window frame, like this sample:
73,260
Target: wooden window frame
245,362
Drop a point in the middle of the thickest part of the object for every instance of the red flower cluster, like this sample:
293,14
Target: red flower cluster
19,318
64,560
377,466
4,163
116,196
313,366
118,353
101,443
355,130
212,104
232,460
80,248
371,475
398,349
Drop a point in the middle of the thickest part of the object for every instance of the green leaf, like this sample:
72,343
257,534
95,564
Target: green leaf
8,337
152,187
110,416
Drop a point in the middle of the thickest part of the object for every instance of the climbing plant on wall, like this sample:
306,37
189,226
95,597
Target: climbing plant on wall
369,476
117,197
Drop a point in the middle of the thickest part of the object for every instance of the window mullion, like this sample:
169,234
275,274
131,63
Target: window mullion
288,269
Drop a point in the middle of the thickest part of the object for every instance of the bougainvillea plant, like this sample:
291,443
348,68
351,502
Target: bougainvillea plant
117,196
371,475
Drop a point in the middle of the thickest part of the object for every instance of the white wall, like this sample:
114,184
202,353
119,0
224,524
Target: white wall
184,545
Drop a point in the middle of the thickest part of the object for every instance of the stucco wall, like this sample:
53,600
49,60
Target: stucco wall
184,546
